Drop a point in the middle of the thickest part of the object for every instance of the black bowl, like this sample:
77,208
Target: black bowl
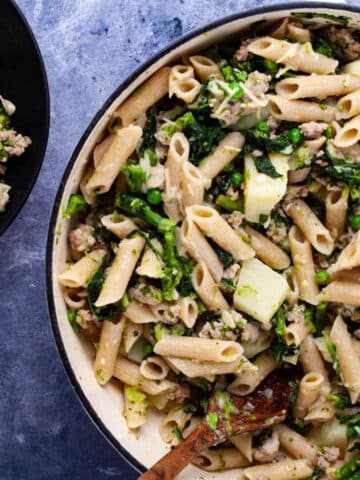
23,81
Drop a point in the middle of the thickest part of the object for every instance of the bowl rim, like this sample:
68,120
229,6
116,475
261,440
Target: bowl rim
90,411
41,157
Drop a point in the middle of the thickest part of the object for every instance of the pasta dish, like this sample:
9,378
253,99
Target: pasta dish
12,144
216,237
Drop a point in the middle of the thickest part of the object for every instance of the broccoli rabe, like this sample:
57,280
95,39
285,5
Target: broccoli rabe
320,45
279,347
137,207
135,178
94,287
203,139
148,138
76,203
349,173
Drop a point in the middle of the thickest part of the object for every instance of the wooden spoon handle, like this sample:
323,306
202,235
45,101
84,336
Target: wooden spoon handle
173,462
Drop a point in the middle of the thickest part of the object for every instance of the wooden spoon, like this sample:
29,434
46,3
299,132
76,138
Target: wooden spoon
266,406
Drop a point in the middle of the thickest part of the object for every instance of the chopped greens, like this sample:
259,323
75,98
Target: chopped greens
71,314
135,178
149,139
76,203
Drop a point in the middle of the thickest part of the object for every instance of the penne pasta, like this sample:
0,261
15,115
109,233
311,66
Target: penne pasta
80,272
229,147
319,86
315,232
347,357
207,289
304,269
194,242
120,271
267,251
299,56
211,350
212,223
122,146
299,110
142,99
110,339
204,67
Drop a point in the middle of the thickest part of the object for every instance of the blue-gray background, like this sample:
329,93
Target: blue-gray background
89,47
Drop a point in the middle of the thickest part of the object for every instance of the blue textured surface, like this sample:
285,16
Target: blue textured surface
89,47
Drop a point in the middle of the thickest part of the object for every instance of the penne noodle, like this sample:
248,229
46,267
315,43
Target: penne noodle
341,292
122,146
204,67
309,391
139,313
132,333
229,148
129,373
154,368
110,339
349,134
120,271
312,361
213,224
192,185
283,470
246,381
336,206
118,224
299,56
142,99
349,105
205,349
220,459
80,272
267,251
347,357
319,86
296,445
315,232
207,289
299,110
304,269
194,242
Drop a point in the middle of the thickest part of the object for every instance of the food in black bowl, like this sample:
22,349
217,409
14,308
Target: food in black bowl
23,82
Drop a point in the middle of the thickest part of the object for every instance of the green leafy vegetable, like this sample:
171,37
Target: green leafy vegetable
71,314
185,120
137,207
225,257
339,400
279,347
346,172
348,469
229,283
148,137
135,178
263,165
212,420
93,290
229,205
76,203
330,347
203,139
177,433
320,45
